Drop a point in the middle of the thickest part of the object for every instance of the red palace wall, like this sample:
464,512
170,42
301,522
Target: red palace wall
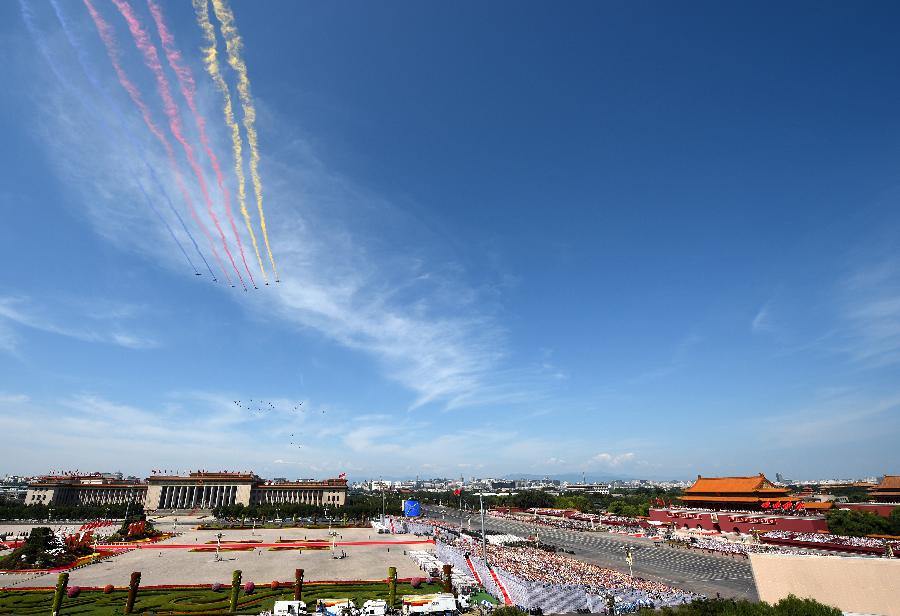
878,509
728,522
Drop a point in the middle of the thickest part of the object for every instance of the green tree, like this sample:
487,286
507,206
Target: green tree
533,498
789,606
579,501
894,521
857,523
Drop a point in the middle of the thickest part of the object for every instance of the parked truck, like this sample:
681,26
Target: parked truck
289,608
437,604
336,607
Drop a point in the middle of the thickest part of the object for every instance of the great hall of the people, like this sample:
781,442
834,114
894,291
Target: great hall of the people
194,491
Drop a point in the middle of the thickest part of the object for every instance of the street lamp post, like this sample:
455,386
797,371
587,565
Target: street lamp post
218,546
483,536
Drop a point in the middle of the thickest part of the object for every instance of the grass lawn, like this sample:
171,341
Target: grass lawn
192,601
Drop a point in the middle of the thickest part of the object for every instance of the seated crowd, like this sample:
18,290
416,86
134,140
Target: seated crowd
829,539
729,547
578,521
553,569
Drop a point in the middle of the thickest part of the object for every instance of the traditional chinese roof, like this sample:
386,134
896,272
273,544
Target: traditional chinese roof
725,486
889,483
735,499
818,505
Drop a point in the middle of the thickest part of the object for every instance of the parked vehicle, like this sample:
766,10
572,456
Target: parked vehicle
289,608
336,607
375,607
439,603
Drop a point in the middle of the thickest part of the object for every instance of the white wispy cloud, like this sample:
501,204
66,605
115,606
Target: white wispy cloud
22,312
612,459
343,273
846,416
678,361
762,322
869,312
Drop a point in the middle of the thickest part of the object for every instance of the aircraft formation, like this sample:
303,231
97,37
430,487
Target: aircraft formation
186,145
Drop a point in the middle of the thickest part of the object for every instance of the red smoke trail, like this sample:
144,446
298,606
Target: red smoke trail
188,89
109,41
151,59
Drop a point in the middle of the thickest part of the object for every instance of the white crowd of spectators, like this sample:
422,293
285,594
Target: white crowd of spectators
550,569
503,539
578,521
729,547
832,540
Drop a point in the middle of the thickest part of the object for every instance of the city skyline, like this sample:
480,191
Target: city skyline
658,251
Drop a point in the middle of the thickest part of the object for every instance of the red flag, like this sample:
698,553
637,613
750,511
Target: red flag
765,504
800,505
787,506
457,492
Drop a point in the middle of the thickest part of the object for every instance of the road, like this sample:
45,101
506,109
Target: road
695,571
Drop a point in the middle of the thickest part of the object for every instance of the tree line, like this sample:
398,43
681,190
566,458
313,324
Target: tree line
15,510
862,523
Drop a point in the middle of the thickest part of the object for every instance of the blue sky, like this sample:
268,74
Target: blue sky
636,240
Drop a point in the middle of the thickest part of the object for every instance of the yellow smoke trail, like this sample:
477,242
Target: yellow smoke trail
211,62
233,47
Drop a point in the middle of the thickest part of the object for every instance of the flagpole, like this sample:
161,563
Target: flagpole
483,536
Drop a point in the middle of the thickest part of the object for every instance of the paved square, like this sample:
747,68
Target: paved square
181,566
